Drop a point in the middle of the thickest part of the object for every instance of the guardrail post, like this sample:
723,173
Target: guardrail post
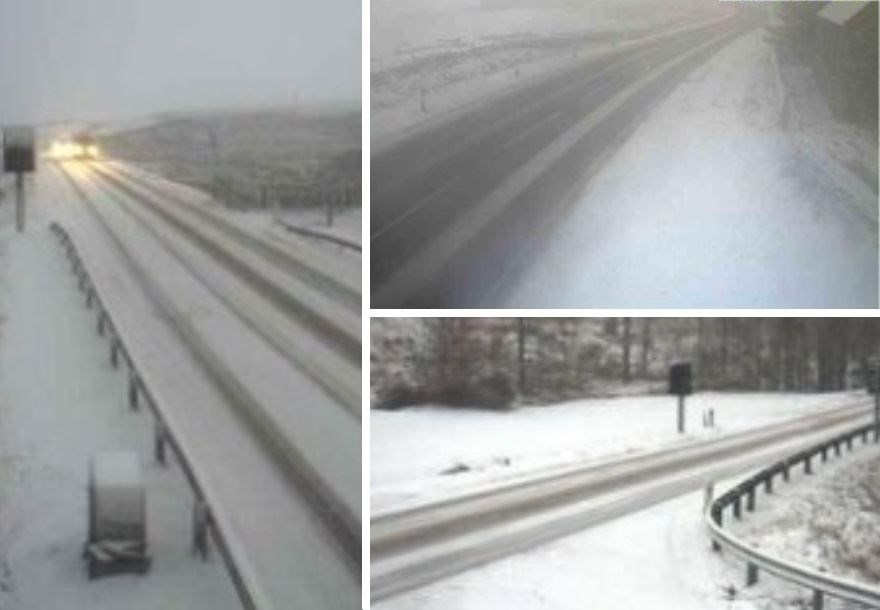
114,352
808,466
737,507
818,600
837,448
751,574
824,453
102,322
159,441
750,499
768,483
786,475
201,519
133,391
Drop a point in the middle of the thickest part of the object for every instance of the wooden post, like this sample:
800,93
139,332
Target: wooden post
159,434
751,574
201,517
133,391
114,352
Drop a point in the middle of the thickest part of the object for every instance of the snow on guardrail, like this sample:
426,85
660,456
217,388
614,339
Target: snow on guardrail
745,495
205,517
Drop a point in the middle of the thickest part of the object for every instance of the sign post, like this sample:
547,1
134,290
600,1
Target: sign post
680,384
19,158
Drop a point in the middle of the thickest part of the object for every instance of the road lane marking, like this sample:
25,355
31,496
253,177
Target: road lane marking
419,204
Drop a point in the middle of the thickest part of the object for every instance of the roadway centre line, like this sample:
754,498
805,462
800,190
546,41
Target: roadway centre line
523,134
420,204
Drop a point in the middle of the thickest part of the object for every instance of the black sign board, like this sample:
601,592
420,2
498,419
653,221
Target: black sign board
680,379
18,150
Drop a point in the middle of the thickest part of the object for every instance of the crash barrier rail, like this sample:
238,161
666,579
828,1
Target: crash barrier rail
138,389
339,241
744,495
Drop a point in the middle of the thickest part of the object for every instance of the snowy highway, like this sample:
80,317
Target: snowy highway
253,352
591,188
426,189
420,544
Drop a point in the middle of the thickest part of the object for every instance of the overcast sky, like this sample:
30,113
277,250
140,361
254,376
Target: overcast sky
102,59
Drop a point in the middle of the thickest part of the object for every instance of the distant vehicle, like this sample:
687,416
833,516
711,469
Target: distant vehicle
88,148
81,146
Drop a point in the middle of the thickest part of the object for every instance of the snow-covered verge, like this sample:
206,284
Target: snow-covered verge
429,58
829,521
427,453
711,203
61,402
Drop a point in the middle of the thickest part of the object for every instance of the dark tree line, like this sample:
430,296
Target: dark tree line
492,361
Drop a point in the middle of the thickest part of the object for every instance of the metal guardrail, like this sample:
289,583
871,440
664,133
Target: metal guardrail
203,520
744,496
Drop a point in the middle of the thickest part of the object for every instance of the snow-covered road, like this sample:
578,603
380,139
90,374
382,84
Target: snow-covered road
711,203
658,558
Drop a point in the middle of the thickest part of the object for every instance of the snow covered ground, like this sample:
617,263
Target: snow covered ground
432,57
657,558
830,522
60,402
425,453
712,203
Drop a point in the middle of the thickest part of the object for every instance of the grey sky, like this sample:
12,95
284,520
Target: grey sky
101,59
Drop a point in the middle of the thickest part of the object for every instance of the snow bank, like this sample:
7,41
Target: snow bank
427,453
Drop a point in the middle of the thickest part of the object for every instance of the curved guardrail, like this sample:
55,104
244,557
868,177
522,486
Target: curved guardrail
203,518
744,496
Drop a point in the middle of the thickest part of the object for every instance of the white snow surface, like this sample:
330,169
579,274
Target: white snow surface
60,403
657,558
829,521
410,449
712,203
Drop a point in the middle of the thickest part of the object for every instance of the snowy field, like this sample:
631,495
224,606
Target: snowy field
712,203
426,453
658,558
452,53
60,402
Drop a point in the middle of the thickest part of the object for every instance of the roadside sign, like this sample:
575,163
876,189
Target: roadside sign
681,379
18,150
